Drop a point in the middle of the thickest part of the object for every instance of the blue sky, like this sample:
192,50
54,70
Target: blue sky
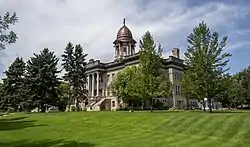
94,24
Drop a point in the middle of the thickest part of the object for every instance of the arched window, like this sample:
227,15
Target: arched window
125,50
117,51
132,50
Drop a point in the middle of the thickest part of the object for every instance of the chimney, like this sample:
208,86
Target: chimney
176,53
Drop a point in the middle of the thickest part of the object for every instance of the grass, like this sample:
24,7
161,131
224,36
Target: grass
138,129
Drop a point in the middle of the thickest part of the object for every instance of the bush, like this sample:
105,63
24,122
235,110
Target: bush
84,109
173,109
123,109
73,108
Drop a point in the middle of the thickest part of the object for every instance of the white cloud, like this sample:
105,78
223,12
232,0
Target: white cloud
94,24
237,45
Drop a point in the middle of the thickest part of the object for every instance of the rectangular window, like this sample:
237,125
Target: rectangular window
100,92
174,76
107,78
176,89
108,92
101,79
113,103
179,90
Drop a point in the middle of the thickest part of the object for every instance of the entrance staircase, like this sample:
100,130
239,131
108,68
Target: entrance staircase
95,106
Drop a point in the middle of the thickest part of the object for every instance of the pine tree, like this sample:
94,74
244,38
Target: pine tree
68,65
155,83
42,80
2,99
13,87
206,61
6,36
75,66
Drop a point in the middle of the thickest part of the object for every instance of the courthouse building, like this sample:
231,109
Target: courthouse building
100,75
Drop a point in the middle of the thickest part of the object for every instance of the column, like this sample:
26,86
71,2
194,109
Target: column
129,49
119,50
89,83
174,103
97,84
93,84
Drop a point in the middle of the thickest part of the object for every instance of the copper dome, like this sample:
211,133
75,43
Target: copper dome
124,33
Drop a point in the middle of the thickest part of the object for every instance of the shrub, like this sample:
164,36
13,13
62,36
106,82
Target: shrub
73,108
173,109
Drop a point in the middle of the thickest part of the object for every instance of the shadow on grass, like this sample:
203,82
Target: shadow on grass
13,119
232,111
17,124
197,111
46,143
218,111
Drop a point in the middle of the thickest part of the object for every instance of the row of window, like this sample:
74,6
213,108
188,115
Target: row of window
101,80
108,76
109,92
177,90
102,92
192,103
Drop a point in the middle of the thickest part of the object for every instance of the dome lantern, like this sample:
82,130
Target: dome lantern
124,43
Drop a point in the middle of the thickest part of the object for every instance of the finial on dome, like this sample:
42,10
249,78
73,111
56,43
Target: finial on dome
124,21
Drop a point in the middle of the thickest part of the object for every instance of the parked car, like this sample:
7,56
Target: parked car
51,108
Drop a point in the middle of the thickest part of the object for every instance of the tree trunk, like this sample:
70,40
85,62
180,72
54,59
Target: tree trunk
187,103
210,106
142,105
77,105
151,105
43,109
204,105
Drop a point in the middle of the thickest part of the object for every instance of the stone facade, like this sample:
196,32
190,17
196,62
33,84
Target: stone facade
101,74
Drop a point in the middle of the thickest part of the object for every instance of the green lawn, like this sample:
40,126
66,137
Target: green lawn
114,129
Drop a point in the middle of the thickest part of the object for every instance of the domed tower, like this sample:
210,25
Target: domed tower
124,43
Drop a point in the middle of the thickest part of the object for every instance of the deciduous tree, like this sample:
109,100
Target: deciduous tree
206,61
245,83
188,86
7,36
63,95
126,85
155,83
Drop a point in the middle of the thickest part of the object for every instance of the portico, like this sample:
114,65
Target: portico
94,84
